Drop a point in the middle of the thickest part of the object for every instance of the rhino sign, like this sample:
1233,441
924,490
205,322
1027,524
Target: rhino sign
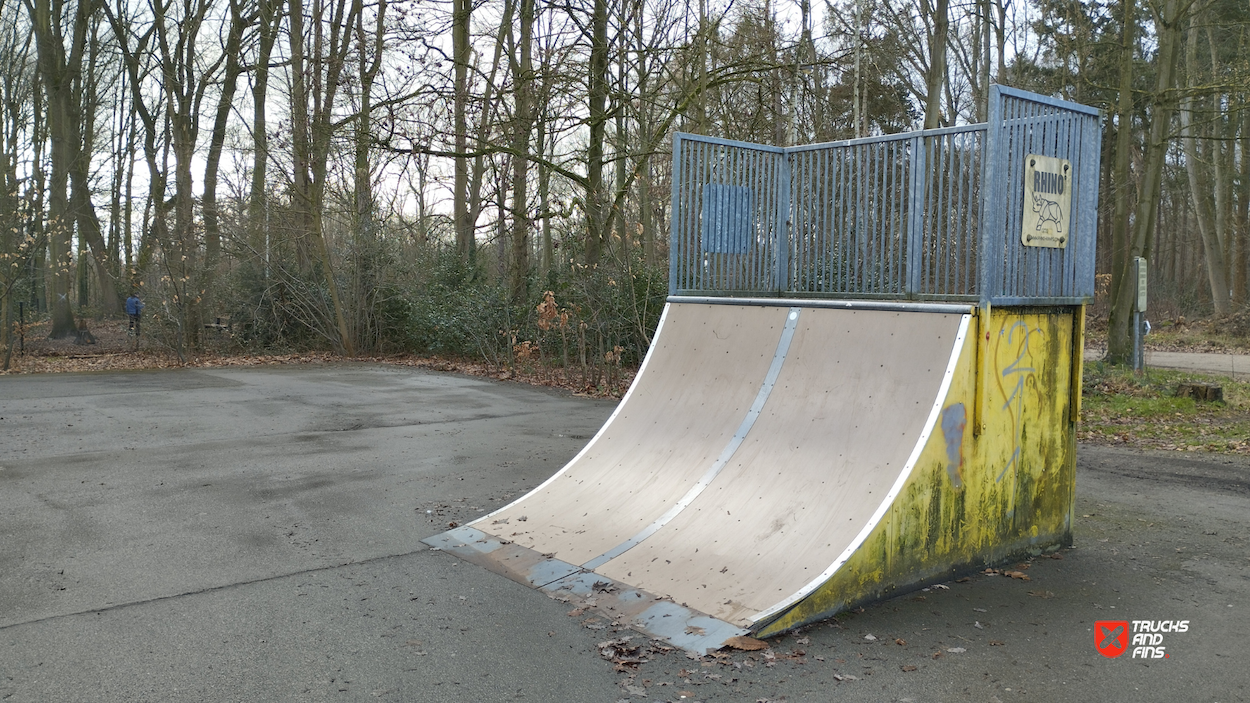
1048,202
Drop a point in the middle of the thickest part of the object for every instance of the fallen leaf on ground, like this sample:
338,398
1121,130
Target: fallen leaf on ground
622,653
908,667
997,643
746,644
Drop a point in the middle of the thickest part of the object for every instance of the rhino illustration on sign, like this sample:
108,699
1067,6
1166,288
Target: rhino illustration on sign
1047,204
1047,211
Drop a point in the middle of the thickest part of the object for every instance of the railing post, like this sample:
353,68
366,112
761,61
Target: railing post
918,180
784,209
993,221
675,207
1087,209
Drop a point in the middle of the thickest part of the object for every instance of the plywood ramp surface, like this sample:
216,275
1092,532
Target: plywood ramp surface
848,408
702,375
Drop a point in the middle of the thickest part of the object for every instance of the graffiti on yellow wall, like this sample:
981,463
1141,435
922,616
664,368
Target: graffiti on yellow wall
1021,373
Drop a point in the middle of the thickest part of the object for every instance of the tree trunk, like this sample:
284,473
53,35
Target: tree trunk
1121,193
270,19
544,192
462,11
229,83
312,132
523,80
1205,204
485,123
935,82
596,196
369,63
1241,230
1168,30
57,82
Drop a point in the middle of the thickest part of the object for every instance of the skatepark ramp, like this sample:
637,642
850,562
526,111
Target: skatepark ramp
866,380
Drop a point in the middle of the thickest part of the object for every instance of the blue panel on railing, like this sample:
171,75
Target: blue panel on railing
726,219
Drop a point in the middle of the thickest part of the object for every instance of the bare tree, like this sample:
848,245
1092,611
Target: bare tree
62,37
313,125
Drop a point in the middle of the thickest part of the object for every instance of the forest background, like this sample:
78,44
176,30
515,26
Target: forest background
490,178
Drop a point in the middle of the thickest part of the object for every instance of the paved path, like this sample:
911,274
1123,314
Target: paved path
253,535
1232,365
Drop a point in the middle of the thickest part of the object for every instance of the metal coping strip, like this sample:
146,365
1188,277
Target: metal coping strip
766,389
619,406
943,390
888,306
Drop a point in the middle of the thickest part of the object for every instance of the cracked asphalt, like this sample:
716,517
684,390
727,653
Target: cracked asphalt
253,534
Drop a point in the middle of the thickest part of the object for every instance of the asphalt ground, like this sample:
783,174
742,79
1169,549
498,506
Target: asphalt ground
253,535
1230,365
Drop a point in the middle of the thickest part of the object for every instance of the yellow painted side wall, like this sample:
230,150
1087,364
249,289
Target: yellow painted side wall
981,498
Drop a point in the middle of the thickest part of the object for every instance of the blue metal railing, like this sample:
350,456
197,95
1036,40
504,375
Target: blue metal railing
931,215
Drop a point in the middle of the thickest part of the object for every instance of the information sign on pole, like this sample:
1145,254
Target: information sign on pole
1139,269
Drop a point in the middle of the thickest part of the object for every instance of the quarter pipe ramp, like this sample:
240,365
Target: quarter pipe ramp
778,461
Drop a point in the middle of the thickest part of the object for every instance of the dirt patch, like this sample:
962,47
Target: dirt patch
114,349
1226,335
1122,409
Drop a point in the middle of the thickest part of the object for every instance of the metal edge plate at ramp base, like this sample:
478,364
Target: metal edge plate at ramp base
621,604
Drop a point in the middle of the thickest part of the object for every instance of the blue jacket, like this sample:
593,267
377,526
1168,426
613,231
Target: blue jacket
134,306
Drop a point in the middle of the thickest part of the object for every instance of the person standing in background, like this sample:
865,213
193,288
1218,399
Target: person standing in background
134,308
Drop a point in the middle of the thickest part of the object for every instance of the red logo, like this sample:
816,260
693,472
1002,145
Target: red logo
1111,637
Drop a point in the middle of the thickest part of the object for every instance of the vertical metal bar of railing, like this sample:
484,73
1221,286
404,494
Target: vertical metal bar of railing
739,272
1064,277
991,192
768,204
898,228
675,206
898,232
800,194
958,154
947,175
915,219
873,194
749,175
1087,211
781,236
838,233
